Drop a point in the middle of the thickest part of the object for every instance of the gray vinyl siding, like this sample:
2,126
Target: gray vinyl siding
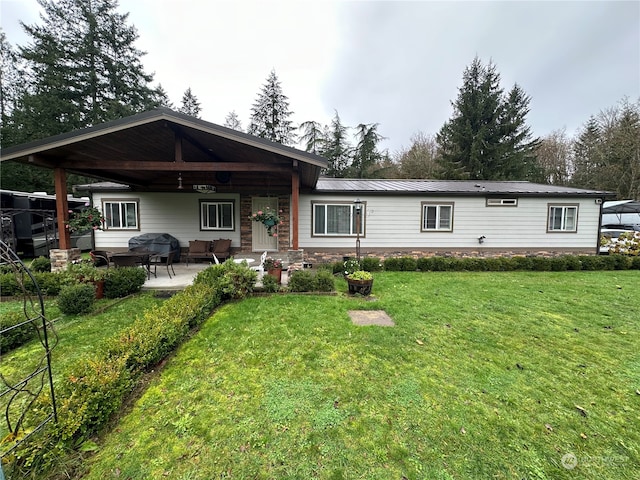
394,222
172,213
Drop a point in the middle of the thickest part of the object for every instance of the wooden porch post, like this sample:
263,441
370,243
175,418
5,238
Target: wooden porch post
62,207
295,203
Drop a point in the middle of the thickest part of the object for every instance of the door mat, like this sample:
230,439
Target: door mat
371,317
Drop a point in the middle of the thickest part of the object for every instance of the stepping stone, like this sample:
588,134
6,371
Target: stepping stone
371,317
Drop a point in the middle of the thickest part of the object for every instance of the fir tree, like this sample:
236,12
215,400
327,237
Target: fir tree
270,114
232,121
366,153
337,149
487,137
84,68
313,136
190,104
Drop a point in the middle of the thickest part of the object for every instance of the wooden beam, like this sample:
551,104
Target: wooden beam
175,166
178,146
62,207
295,206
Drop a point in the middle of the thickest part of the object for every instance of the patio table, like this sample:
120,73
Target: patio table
135,257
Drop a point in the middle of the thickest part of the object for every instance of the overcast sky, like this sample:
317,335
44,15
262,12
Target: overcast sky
398,64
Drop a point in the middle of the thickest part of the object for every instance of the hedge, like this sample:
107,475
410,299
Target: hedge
95,387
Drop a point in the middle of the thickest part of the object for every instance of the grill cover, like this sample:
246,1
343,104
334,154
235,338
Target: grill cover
158,242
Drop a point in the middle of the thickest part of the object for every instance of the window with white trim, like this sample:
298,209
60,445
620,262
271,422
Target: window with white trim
502,202
216,215
437,217
337,219
563,218
120,214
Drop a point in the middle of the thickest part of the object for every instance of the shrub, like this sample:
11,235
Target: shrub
76,299
120,282
392,264
50,283
40,264
324,281
522,263
635,263
371,264
573,262
270,284
591,262
301,281
233,280
407,264
17,336
558,264
540,264
9,285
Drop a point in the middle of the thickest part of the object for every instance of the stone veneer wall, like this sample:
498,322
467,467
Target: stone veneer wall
61,258
246,225
319,257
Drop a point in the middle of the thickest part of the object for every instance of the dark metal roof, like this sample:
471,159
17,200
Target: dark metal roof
450,187
149,138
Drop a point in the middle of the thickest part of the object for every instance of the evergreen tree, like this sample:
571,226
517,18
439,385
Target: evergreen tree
588,154
337,149
313,136
11,90
162,97
232,121
487,138
84,68
190,104
366,154
270,114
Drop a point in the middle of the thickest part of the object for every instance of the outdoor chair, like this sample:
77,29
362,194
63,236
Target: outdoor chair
260,268
100,258
162,260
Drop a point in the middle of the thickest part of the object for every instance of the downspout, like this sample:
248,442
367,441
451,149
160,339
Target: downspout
601,202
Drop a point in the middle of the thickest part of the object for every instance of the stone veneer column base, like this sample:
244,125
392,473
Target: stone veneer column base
296,259
61,258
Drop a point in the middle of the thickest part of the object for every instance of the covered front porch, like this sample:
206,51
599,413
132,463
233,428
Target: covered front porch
159,153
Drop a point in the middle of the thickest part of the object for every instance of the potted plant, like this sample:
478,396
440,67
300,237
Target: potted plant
87,272
269,218
360,282
273,267
87,219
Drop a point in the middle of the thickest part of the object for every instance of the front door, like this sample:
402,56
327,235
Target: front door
261,240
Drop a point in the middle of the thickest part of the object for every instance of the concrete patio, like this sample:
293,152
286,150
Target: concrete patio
184,275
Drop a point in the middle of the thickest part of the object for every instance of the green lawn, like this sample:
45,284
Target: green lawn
75,336
485,375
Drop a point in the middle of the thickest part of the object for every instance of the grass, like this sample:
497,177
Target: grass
485,375
75,336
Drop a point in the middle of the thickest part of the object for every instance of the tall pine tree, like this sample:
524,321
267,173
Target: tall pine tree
190,104
270,114
232,121
84,68
337,149
487,137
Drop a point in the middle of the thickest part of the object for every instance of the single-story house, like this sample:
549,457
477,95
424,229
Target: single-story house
167,172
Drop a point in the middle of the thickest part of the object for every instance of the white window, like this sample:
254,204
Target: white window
120,214
339,219
437,217
216,215
563,218
502,202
